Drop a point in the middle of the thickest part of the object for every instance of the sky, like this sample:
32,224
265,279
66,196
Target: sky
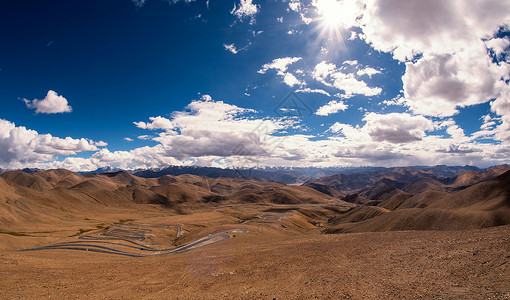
137,84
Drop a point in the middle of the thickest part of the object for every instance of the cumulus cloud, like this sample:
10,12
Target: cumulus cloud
19,145
291,80
329,75
51,104
368,71
397,128
156,123
437,85
332,107
444,44
281,65
215,128
434,26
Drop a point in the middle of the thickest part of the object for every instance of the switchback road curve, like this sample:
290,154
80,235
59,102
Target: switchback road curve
119,241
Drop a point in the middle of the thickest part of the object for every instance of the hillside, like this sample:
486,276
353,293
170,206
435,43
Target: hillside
27,199
382,185
485,204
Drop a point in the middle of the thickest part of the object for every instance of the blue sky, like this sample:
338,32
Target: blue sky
142,84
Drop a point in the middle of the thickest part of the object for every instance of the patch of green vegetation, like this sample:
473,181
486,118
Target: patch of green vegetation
14,233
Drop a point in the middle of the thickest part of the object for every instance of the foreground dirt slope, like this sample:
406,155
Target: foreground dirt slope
471,264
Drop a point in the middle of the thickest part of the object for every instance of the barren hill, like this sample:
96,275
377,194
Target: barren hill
383,185
27,198
482,205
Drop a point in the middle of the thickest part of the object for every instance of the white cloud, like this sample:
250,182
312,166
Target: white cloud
128,139
295,5
501,106
290,79
397,128
368,71
144,137
208,131
99,144
156,123
437,85
433,26
281,65
351,62
245,9
353,36
332,107
454,69
231,48
498,45
309,90
51,104
397,101
394,128
329,75
206,97
19,145
215,128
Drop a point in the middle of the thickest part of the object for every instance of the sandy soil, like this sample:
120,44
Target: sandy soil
471,264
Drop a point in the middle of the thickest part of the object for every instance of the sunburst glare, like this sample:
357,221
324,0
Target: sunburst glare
335,16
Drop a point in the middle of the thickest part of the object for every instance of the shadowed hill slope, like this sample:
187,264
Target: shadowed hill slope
482,205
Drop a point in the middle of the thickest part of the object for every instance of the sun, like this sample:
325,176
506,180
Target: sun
337,14
330,12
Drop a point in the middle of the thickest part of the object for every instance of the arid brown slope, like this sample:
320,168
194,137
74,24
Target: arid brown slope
38,208
483,205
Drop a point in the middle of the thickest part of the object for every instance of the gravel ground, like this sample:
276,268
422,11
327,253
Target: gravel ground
471,264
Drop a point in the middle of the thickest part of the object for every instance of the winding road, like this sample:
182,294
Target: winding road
119,241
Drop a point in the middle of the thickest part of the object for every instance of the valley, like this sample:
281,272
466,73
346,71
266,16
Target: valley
191,235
